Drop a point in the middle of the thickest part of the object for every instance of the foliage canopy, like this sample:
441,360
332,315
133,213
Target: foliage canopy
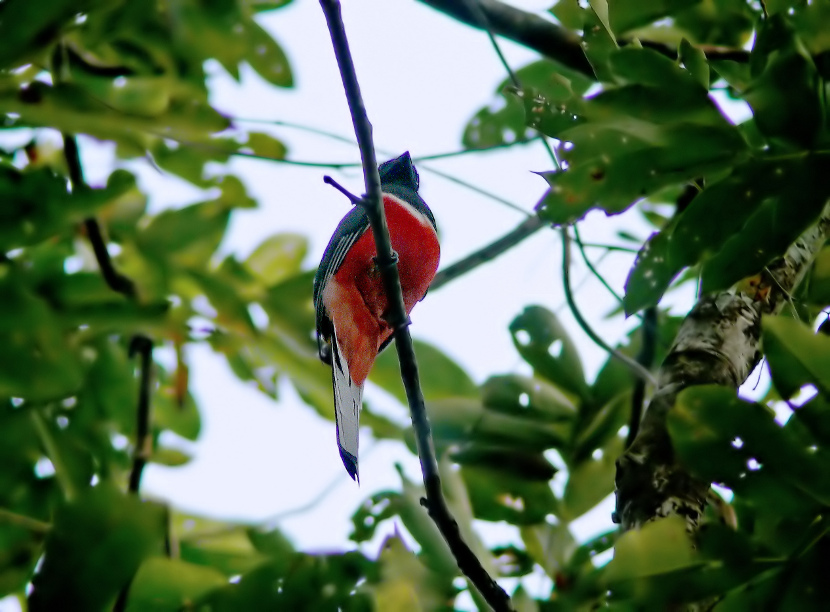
644,129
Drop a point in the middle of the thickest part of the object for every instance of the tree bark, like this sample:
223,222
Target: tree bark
718,343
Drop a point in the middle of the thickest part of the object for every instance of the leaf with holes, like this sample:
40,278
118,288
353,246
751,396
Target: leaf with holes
705,423
651,275
505,121
543,342
499,495
529,398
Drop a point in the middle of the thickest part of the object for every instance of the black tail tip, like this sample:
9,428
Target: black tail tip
350,462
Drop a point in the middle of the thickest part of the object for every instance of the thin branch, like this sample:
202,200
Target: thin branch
488,253
527,29
591,267
143,347
632,365
117,282
387,263
26,522
550,39
341,165
420,158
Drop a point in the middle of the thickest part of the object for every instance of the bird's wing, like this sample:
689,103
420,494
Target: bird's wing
348,398
349,231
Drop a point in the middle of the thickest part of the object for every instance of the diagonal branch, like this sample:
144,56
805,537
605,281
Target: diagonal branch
489,252
527,29
547,38
387,263
718,343
117,282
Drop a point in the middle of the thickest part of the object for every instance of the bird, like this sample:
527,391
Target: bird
349,297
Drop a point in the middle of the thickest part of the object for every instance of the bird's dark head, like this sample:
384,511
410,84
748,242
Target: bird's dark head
399,171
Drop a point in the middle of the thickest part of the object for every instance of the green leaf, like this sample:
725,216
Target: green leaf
508,123
650,275
37,204
518,463
70,108
265,145
796,356
405,584
706,421
550,545
591,480
37,360
658,128
695,62
441,377
626,15
600,8
603,426
818,286
188,236
529,398
759,215
267,57
95,547
658,547
543,342
770,231
497,495
170,457
27,32
785,98
170,584
568,13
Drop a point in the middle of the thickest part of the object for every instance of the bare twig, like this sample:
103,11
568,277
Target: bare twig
487,253
143,347
435,503
117,282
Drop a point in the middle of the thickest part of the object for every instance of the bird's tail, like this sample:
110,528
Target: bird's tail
348,399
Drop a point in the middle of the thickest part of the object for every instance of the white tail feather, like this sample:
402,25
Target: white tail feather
348,399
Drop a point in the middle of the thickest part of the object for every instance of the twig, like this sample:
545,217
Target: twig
435,503
26,522
142,346
635,367
487,253
417,159
114,280
352,197
591,267
338,165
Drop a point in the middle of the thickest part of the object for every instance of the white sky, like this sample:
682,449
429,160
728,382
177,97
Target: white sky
423,76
